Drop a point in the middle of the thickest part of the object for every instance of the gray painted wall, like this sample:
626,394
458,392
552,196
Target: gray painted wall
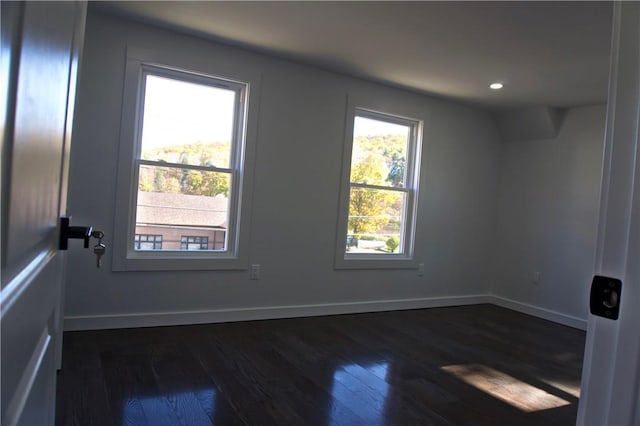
489,213
547,215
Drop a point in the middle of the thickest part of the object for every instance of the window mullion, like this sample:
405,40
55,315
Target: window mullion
379,187
184,166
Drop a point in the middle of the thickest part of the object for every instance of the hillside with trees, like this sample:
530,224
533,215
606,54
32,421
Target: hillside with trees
376,213
376,160
184,180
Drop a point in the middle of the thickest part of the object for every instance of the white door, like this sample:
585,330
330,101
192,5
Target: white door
611,373
40,48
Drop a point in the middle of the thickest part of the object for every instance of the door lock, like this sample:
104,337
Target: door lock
84,233
605,297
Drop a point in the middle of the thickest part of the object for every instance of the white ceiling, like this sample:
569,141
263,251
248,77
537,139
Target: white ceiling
547,53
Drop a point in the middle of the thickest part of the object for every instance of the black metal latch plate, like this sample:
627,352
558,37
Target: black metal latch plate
605,297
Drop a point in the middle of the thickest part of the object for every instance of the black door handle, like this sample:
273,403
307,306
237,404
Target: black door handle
76,232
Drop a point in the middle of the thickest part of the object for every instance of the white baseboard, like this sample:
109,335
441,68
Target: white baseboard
536,311
99,322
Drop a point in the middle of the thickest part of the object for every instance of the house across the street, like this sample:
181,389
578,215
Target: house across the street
168,221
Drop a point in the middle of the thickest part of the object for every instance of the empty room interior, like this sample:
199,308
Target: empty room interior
371,235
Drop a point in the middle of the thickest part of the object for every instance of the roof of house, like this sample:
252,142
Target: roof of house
157,208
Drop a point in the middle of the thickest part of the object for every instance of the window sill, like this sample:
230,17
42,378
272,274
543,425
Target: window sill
173,262
375,262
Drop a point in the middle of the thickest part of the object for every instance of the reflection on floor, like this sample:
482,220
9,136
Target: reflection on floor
479,365
155,410
352,384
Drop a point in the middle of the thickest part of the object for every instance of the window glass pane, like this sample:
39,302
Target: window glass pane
178,202
194,243
375,221
379,152
187,123
148,242
186,181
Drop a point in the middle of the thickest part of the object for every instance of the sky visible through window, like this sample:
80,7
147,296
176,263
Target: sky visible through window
368,127
178,112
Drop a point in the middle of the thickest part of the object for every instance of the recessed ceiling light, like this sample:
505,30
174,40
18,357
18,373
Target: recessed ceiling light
496,86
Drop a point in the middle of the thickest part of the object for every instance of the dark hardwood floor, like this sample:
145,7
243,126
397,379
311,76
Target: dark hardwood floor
474,365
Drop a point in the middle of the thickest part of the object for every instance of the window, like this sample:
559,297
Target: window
186,146
379,191
186,153
148,242
194,243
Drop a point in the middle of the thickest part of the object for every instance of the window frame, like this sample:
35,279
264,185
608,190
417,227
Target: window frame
392,112
234,162
211,71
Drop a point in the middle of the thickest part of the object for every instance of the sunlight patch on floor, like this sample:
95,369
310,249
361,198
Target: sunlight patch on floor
508,389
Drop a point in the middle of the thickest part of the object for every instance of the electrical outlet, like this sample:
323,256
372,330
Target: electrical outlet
420,269
254,272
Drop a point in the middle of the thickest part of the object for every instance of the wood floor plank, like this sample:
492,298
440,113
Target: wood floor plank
472,365
196,400
286,381
409,355
243,386
366,372
134,394
82,398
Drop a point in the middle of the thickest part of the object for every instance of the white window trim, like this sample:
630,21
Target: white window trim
401,114
125,258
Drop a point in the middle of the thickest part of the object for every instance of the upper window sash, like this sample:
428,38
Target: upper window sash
239,114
